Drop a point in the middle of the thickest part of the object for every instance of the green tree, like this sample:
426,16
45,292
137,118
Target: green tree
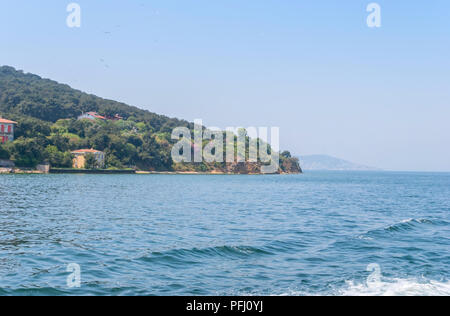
90,162
67,160
54,156
286,154
57,158
27,152
112,162
4,153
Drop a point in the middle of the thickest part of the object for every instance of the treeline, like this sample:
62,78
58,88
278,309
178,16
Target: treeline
127,144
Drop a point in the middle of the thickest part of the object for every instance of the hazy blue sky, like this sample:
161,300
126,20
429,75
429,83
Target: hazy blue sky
380,97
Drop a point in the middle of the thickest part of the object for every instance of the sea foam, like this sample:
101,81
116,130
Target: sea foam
396,287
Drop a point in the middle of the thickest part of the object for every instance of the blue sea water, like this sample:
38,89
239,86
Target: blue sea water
310,234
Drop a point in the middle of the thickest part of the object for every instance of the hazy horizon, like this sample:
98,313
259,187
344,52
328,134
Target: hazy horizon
377,97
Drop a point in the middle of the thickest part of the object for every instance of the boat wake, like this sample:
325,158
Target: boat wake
386,287
396,287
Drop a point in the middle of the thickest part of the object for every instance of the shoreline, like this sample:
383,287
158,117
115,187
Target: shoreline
206,173
125,171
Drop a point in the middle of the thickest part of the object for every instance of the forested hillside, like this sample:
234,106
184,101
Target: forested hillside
48,129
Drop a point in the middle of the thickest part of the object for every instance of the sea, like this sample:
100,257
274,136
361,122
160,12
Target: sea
317,233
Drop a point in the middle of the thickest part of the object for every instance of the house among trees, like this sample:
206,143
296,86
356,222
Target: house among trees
6,130
95,116
91,116
88,159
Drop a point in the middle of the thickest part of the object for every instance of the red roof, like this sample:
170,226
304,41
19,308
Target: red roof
96,115
7,121
82,151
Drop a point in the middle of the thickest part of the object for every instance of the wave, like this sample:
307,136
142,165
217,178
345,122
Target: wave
194,254
396,287
403,226
407,224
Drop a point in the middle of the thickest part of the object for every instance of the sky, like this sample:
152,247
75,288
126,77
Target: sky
376,96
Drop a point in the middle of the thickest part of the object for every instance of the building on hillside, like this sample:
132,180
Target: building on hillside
6,130
96,116
91,116
79,160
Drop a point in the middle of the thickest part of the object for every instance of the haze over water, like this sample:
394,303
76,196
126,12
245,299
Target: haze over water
216,235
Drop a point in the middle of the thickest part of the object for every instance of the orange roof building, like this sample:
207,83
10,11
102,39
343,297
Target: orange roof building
6,130
4,121
91,116
85,151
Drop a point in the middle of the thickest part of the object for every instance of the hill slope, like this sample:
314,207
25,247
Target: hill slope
324,162
48,129
48,100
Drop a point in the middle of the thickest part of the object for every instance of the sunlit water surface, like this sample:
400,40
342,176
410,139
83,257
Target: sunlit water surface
311,234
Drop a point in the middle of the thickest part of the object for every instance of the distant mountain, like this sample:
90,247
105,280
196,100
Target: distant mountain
324,162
